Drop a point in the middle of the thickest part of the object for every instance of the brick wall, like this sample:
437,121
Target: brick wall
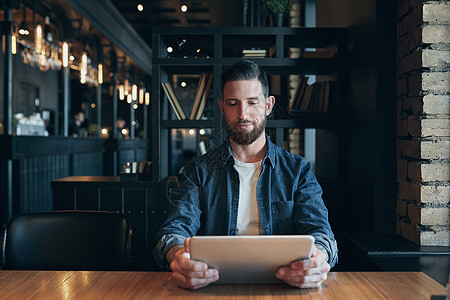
423,128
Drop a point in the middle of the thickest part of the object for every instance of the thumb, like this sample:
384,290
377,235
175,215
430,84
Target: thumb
186,244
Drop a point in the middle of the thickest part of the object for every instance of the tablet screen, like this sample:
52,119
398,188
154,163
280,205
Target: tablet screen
249,259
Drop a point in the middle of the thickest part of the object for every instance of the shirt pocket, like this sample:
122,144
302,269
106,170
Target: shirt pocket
282,217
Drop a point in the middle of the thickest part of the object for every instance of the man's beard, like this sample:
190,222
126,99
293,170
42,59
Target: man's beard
244,137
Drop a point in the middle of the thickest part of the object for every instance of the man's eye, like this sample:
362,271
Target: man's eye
254,102
231,103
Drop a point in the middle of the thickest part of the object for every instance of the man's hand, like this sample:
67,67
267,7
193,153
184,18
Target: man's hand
307,273
188,273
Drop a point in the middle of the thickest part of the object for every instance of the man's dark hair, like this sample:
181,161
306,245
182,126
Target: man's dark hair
245,70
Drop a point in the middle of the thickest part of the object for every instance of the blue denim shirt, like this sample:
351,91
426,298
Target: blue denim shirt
206,201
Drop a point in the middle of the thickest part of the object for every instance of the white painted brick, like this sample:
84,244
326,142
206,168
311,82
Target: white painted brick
435,127
436,81
436,104
435,58
439,171
433,34
435,238
434,216
435,194
435,149
436,13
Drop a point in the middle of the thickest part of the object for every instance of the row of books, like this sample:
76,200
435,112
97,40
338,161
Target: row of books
260,53
311,97
201,96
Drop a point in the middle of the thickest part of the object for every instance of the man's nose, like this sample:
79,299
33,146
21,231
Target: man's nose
242,111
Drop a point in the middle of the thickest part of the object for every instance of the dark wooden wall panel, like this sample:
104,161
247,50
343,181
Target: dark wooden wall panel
88,164
36,173
37,161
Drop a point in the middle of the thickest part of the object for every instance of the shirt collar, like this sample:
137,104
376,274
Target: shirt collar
269,156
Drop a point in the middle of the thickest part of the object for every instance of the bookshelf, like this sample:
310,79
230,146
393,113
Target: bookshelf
209,50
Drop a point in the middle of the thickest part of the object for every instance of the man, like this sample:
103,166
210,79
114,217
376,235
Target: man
78,127
246,186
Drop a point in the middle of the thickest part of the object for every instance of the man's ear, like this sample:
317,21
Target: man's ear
269,104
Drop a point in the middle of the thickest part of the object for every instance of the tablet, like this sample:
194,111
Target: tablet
249,259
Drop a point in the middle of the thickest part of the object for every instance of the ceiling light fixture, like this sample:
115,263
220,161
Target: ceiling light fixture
83,71
65,54
38,39
140,7
184,8
13,44
23,30
147,98
100,74
134,92
121,92
141,96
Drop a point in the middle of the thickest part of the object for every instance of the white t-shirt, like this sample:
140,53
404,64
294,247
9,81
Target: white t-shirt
248,220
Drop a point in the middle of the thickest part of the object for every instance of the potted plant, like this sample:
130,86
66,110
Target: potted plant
277,8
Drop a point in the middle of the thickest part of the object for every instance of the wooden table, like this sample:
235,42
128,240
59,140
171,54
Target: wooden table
155,285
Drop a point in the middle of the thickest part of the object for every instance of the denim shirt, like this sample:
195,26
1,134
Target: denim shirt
207,198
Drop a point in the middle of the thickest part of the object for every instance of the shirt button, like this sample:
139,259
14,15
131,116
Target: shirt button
234,203
232,231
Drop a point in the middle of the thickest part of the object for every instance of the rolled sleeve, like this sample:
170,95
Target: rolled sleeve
166,243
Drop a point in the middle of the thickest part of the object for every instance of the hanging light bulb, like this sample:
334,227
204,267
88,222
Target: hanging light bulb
13,44
23,30
134,93
141,96
83,71
100,74
65,55
147,98
121,92
129,100
38,39
126,87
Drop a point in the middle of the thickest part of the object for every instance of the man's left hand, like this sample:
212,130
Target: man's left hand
307,273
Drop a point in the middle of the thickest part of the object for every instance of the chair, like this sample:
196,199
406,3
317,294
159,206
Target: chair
66,240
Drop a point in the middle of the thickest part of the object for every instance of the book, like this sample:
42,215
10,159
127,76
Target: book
326,96
204,97
255,53
318,54
299,93
321,96
173,100
306,99
314,102
198,95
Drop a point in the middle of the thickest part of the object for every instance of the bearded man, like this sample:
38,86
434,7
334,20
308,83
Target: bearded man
247,186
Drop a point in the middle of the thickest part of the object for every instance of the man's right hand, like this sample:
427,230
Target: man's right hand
188,273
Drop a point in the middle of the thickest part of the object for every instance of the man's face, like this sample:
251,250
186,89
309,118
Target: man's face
245,110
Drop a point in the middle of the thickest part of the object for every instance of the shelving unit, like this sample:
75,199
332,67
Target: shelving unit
220,48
